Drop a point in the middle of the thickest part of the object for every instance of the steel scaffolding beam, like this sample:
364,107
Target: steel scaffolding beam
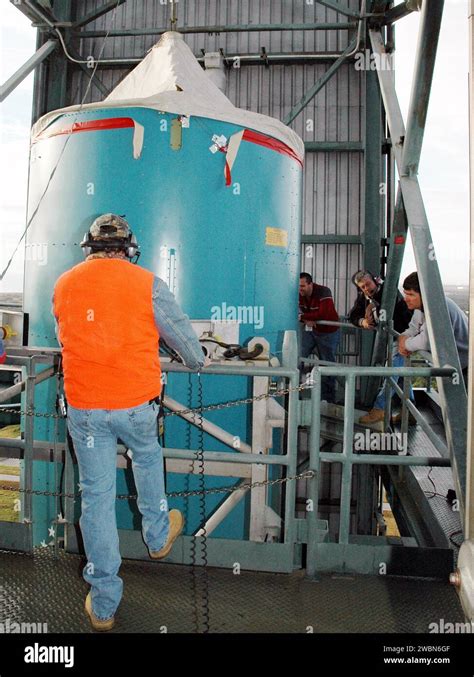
320,83
34,12
337,7
237,28
396,250
443,347
330,146
397,12
430,26
38,57
96,13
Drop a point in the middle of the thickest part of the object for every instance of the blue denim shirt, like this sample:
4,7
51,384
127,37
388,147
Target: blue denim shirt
173,325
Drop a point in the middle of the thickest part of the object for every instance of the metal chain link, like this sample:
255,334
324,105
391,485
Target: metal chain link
307,474
180,412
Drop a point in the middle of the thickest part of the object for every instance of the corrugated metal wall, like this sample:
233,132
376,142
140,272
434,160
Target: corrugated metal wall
334,185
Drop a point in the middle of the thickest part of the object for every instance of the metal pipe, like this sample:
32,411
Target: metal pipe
190,454
442,448
12,391
346,370
346,474
223,510
291,455
225,370
430,24
380,459
249,59
331,239
24,70
405,410
43,452
238,28
396,13
26,477
388,392
345,325
315,466
331,146
208,427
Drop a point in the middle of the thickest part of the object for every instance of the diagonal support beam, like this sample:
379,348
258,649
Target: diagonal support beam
397,12
337,7
443,347
393,111
33,12
96,13
396,251
430,24
39,56
320,83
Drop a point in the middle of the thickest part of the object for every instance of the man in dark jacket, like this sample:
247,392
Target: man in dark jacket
316,304
365,313
366,310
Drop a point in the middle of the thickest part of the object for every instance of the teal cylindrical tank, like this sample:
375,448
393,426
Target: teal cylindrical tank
219,247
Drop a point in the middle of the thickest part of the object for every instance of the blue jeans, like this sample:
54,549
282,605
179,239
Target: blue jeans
397,361
94,433
326,345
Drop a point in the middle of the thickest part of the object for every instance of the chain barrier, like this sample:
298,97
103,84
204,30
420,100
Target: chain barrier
200,582
181,412
307,474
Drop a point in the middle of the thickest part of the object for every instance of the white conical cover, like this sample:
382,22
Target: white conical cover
170,66
170,79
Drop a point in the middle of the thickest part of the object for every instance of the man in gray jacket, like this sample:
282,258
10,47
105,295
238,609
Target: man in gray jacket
416,336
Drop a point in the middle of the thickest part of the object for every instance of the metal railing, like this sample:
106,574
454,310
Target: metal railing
19,535
347,457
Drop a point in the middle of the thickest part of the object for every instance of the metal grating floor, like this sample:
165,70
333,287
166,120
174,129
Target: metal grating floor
41,589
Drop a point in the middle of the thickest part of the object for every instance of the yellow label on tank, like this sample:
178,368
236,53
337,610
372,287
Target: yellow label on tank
276,237
176,134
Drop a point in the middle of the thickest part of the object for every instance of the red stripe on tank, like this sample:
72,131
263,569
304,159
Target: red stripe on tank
270,142
89,126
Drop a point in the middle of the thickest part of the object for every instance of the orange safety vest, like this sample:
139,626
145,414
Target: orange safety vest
108,334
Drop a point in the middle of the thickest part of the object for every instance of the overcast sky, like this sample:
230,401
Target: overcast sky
444,168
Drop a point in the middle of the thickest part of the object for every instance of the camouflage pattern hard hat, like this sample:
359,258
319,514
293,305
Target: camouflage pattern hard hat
109,227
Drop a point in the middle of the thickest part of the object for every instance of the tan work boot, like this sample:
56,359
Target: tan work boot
97,623
373,416
176,527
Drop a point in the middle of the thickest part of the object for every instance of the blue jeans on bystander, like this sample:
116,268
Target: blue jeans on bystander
326,346
397,361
